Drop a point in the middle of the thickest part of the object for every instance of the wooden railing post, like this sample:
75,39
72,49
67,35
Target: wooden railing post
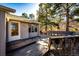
49,44
72,46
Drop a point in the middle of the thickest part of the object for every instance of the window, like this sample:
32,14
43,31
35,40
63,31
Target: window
32,28
29,29
36,29
14,29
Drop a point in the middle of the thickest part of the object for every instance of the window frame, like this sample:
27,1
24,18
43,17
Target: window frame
18,31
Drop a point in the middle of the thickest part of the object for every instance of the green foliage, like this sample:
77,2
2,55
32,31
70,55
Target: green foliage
49,12
31,16
76,11
45,13
65,9
24,15
77,19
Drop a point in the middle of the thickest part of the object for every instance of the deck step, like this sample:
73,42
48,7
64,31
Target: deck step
19,45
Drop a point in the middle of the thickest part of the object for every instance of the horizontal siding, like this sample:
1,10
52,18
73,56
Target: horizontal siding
24,30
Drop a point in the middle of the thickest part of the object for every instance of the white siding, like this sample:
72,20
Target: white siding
24,30
33,34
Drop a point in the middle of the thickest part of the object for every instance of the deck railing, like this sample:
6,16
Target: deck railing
67,41
61,33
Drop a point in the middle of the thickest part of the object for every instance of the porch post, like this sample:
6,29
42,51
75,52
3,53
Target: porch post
2,34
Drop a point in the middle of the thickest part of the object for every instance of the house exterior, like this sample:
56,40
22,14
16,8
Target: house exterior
20,28
14,27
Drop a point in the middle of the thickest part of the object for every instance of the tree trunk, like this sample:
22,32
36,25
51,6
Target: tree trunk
46,29
51,30
46,22
67,18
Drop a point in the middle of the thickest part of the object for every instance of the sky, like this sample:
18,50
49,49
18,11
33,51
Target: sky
23,8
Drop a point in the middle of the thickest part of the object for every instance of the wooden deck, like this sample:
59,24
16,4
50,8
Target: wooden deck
19,44
67,43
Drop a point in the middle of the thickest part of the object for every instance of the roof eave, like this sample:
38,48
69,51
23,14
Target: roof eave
7,9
